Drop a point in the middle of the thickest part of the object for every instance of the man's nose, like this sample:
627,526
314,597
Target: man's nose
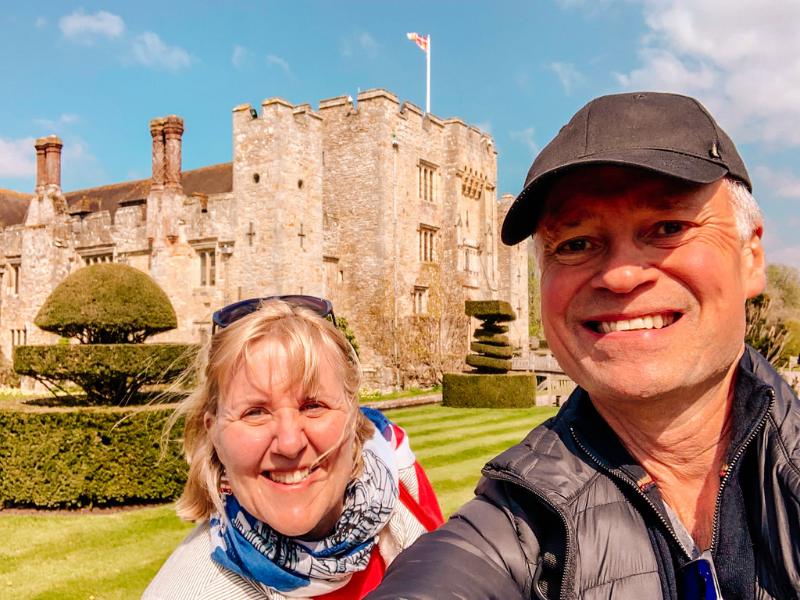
625,267
290,438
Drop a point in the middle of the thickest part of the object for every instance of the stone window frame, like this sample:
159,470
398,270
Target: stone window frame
338,273
427,176
419,300
427,242
97,255
13,268
206,251
19,337
471,258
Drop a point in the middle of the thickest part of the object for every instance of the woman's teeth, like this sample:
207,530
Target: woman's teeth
288,476
648,322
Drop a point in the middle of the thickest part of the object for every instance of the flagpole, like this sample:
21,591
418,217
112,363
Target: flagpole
428,77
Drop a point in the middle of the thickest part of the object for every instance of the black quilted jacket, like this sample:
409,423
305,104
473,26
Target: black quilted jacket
552,518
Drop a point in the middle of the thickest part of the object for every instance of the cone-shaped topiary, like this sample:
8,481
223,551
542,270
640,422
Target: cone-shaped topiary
107,304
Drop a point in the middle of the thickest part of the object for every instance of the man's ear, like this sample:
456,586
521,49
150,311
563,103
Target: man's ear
754,265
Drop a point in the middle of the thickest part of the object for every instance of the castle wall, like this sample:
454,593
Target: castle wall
513,277
277,183
387,211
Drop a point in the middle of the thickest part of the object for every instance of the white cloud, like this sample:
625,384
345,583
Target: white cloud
239,56
274,59
360,43
526,136
59,123
85,29
150,51
743,64
40,22
781,184
17,157
568,74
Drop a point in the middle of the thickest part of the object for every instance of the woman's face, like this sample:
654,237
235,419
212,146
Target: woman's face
269,435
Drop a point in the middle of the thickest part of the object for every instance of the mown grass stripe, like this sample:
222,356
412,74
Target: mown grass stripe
447,457
455,442
422,433
456,415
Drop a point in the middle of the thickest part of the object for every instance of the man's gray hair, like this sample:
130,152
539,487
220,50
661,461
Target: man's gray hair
745,209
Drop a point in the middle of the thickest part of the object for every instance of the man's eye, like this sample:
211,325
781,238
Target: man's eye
574,246
668,228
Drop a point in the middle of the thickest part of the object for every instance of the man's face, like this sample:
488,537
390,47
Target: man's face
644,281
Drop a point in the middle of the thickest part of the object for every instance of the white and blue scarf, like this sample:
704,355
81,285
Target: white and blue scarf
245,545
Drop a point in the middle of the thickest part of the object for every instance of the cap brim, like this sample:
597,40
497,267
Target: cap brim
521,219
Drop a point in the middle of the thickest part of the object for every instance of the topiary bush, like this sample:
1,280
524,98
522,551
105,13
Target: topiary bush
484,390
490,385
110,309
492,351
58,458
105,371
107,304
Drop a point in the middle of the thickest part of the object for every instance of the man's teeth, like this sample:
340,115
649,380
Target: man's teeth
648,322
288,476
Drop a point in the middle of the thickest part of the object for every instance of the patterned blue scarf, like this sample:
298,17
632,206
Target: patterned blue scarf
245,545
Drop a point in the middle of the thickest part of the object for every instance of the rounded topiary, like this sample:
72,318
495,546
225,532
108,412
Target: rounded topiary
107,304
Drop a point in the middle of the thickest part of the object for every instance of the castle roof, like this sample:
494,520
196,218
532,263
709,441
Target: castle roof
13,206
214,179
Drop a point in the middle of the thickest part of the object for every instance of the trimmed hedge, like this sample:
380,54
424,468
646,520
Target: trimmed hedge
488,364
477,390
106,304
87,457
491,350
105,371
490,310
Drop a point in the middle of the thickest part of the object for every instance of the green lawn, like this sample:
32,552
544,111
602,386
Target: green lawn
103,556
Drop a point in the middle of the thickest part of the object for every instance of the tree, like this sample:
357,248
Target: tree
783,286
535,328
765,333
110,309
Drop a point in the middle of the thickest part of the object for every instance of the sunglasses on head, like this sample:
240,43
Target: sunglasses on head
698,579
233,312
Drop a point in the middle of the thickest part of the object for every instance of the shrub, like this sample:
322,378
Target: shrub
87,457
104,370
479,390
764,332
107,304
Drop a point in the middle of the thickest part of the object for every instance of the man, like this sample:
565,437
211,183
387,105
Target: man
673,471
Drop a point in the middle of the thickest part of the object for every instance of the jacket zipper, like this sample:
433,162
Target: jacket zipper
668,526
503,476
753,433
623,477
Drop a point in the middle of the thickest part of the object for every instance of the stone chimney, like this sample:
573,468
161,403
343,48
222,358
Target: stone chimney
173,132
41,168
52,159
157,131
48,162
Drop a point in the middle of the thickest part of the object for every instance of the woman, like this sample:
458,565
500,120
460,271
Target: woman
297,492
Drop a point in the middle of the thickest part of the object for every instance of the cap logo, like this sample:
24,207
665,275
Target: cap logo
714,152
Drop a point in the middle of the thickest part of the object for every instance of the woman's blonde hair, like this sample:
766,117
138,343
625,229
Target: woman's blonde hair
307,339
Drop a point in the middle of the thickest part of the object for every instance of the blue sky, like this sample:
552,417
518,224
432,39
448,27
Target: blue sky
96,72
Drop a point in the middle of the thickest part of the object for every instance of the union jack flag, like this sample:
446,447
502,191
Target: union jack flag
419,40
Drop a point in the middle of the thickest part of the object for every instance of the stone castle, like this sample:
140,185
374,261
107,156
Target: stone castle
389,212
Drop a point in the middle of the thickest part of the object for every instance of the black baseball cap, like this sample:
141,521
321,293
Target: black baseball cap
664,133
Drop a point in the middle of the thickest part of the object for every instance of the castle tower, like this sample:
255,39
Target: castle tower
277,182
37,254
513,278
